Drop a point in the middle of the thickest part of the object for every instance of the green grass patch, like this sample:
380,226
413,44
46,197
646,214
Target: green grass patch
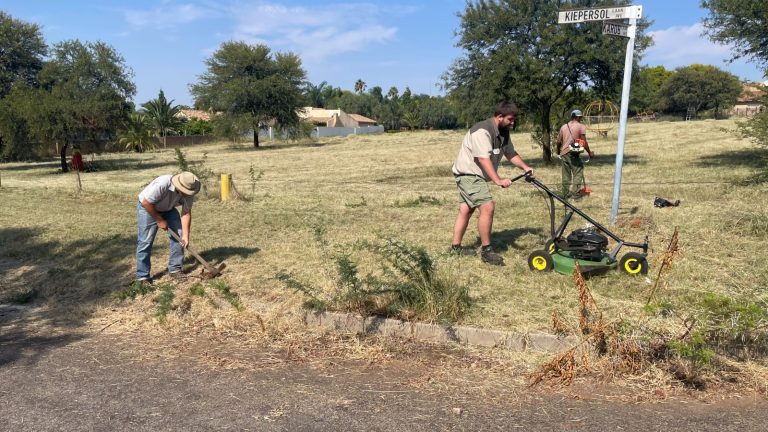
22,297
164,301
227,293
197,290
134,290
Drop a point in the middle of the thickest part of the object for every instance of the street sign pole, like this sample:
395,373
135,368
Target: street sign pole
632,14
628,60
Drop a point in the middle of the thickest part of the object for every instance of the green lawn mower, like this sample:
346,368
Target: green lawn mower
588,247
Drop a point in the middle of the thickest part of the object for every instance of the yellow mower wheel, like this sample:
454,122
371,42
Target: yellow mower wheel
540,260
550,246
634,263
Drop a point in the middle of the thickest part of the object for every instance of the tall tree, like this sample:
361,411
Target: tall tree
515,50
22,49
700,87
359,86
250,83
162,113
85,92
646,88
742,24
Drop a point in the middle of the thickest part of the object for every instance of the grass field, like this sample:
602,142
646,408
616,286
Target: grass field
75,249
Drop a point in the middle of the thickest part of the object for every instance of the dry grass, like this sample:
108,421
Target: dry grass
77,248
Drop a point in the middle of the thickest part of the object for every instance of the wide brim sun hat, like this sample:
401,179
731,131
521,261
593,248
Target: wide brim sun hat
186,183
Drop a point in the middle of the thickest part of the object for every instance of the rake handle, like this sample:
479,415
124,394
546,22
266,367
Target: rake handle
197,256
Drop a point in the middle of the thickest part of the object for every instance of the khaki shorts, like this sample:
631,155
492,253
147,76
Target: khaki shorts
473,190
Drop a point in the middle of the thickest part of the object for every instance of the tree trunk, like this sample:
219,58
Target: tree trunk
256,137
63,154
546,134
165,134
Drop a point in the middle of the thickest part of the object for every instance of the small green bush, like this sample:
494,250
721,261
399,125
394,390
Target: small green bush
408,286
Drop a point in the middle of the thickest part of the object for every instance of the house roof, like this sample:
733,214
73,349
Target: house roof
362,119
751,92
195,114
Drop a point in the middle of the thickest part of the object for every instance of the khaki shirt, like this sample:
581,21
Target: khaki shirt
568,134
162,194
483,140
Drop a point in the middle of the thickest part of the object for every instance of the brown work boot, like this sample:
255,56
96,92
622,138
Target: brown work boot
490,257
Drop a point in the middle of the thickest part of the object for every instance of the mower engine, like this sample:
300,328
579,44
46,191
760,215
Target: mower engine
587,244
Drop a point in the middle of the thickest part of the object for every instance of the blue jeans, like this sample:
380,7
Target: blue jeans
147,231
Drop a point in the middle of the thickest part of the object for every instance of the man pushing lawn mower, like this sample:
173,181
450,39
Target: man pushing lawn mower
476,164
157,209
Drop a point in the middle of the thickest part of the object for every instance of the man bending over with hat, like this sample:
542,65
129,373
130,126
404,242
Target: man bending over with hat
157,209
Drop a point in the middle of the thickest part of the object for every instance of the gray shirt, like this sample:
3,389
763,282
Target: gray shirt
483,140
162,194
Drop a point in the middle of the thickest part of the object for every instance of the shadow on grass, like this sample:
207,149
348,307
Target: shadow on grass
752,158
97,165
216,256
507,239
598,160
225,252
281,146
68,278
103,165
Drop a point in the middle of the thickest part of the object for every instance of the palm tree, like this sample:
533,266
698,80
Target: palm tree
359,86
412,119
163,114
137,133
316,94
392,93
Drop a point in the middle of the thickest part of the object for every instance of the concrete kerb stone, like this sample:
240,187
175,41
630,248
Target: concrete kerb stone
436,333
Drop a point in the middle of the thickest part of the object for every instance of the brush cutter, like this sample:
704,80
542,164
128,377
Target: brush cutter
212,271
587,247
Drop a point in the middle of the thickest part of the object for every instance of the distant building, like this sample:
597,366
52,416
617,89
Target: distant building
750,101
334,118
189,114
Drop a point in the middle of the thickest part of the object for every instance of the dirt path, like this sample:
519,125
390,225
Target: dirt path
99,381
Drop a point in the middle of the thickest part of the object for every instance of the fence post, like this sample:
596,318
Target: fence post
226,186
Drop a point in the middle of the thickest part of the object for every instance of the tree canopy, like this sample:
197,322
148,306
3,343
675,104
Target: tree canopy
22,49
515,50
700,87
248,83
742,24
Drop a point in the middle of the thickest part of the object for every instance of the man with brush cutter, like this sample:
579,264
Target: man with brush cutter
571,142
476,165
157,209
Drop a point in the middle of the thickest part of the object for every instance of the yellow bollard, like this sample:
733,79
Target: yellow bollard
226,186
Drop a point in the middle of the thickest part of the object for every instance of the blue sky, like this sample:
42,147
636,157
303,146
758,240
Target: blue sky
383,43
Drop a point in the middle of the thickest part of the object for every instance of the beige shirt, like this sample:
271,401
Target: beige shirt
483,140
568,134
162,194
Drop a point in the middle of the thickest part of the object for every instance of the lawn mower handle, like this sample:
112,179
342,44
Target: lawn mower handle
528,175
553,196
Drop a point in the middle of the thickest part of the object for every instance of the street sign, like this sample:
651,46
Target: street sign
583,15
614,29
